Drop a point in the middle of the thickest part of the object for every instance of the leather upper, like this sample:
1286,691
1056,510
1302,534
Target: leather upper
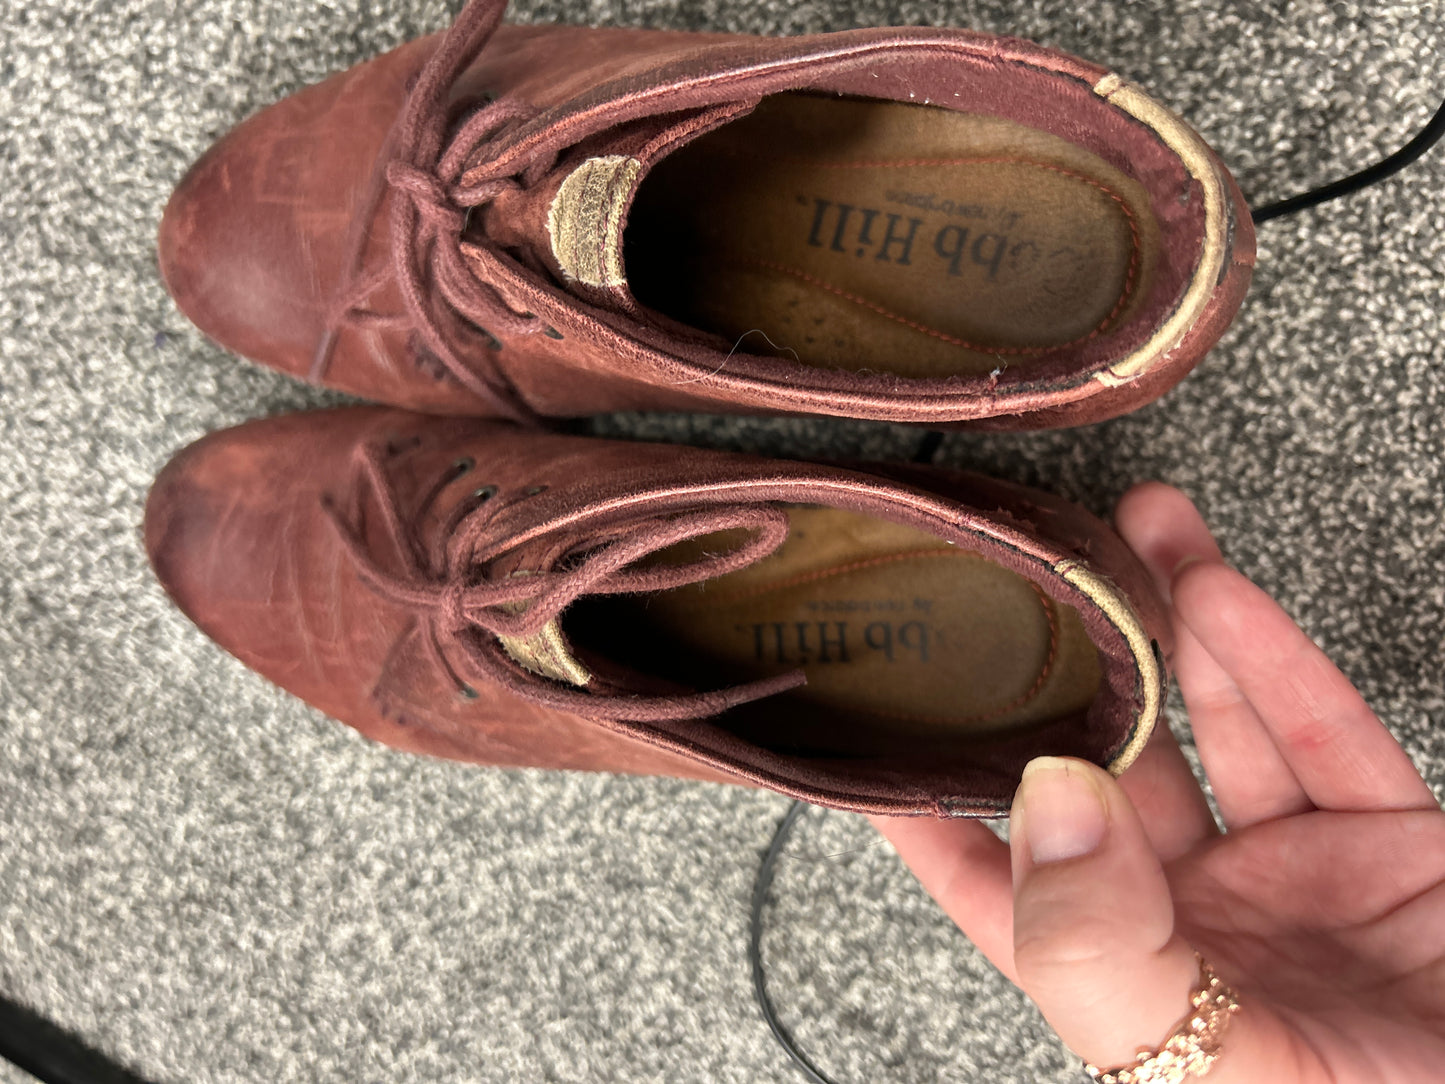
266,238
242,531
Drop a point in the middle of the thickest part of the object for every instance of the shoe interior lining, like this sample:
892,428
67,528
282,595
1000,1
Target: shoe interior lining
891,237
912,647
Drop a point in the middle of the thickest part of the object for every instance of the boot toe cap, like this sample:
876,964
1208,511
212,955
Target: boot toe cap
254,242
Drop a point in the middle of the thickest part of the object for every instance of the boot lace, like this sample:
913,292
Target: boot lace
455,598
435,191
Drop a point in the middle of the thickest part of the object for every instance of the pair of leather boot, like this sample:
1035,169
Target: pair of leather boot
500,225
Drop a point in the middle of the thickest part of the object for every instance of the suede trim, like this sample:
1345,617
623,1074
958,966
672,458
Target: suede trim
546,652
586,217
1112,603
1190,149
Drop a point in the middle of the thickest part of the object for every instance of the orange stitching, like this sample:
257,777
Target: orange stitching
872,562
1124,296
881,311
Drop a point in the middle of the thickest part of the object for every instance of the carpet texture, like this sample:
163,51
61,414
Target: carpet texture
211,882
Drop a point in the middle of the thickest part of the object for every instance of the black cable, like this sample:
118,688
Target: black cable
52,1055
755,946
1426,138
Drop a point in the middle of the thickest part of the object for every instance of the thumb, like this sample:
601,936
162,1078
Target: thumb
1094,940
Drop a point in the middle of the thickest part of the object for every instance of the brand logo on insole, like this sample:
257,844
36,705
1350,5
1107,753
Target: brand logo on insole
801,642
990,248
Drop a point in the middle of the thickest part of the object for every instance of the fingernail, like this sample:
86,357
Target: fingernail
1063,811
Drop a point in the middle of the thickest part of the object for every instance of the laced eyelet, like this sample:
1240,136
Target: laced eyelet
492,342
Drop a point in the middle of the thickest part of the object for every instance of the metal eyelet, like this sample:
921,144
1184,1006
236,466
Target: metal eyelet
484,493
492,342
463,465
547,329
532,491
466,692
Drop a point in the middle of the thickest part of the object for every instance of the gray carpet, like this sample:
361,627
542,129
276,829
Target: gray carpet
212,883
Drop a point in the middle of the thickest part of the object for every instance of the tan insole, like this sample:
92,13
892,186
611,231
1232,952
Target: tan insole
905,640
889,236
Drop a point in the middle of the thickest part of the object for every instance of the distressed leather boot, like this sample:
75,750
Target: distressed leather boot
892,639
914,224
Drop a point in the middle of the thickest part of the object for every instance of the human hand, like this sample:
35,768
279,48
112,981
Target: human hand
1322,903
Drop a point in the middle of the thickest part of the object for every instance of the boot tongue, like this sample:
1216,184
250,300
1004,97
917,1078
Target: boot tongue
546,652
571,222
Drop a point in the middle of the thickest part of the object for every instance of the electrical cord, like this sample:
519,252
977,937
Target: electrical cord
755,946
52,1055
1411,152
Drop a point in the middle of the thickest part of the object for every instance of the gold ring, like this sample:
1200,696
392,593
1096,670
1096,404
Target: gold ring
1192,1047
